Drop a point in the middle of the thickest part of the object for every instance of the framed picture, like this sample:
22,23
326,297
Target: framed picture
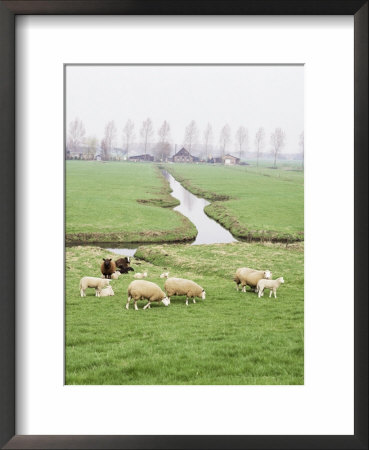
68,66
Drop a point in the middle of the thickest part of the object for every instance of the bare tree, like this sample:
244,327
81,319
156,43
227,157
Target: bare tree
128,134
302,144
146,132
162,151
91,142
163,147
225,138
191,135
76,134
108,140
277,140
208,139
259,143
242,138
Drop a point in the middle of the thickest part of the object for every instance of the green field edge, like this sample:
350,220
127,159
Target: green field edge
183,234
218,211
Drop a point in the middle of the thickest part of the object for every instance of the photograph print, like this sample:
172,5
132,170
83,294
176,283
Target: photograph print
184,224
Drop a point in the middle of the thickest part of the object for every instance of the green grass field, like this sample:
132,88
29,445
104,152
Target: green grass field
229,338
263,203
121,202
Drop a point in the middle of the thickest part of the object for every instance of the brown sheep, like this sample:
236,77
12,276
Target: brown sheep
108,267
124,265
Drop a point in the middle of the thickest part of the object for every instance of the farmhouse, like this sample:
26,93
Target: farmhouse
184,156
138,158
230,160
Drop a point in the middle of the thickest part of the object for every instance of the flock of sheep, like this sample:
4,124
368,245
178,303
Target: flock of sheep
140,289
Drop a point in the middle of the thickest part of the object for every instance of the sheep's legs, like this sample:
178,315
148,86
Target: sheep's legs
194,300
275,293
128,300
186,301
147,306
243,288
136,307
83,293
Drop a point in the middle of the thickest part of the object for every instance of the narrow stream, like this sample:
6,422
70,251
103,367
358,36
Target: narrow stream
209,231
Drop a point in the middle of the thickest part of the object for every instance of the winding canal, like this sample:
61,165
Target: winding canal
209,231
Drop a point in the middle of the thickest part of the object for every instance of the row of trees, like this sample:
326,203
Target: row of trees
162,148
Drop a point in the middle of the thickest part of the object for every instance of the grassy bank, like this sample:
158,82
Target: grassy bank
229,338
252,203
121,202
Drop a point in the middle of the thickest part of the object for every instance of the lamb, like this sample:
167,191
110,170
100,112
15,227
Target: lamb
92,282
141,289
106,292
250,277
273,285
140,275
108,267
164,275
124,265
181,286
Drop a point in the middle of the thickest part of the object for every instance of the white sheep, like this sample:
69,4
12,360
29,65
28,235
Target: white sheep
92,282
273,285
141,289
164,275
140,275
250,277
181,286
106,292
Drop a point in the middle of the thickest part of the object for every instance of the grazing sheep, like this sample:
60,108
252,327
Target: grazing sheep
141,289
250,277
181,286
108,267
140,275
124,265
164,275
106,292
92,282
273,285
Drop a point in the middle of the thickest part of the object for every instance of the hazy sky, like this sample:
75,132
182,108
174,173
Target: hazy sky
252,96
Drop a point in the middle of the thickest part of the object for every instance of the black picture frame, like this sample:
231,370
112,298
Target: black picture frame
8,11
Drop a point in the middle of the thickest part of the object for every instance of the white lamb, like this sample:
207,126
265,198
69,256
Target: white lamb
140,275
164,275
92,282
181,286
106,292
141,289
273,285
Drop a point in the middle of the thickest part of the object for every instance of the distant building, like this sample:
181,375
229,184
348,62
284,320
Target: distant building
138,158
184,156
230,160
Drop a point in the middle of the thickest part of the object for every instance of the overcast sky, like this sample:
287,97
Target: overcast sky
251,96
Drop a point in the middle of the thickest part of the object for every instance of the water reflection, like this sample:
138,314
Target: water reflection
209,231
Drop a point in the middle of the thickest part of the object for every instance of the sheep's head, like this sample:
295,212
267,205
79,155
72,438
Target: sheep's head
166,301
106,263
267,274
203,294
281,280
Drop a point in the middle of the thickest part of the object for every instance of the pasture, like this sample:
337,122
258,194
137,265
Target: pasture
253,203
121,202
229,338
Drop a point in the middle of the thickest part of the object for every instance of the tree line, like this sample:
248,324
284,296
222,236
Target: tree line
162,148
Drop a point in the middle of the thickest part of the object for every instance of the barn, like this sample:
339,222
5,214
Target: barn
230,160
184,156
